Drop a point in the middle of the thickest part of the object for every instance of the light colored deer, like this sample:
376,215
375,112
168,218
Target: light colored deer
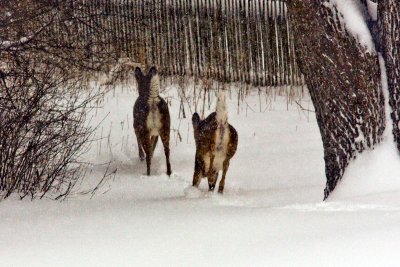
216,143
151,117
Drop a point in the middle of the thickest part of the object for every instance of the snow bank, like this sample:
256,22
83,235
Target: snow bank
374,172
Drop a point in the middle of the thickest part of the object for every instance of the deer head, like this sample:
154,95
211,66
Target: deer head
148,85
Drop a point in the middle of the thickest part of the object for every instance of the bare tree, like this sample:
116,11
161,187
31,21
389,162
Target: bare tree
389,33
344,82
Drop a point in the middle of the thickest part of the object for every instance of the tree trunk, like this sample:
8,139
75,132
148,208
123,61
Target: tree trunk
344,84
389,29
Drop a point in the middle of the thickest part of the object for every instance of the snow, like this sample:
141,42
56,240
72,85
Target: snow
8,44
372,9
271,212
354,20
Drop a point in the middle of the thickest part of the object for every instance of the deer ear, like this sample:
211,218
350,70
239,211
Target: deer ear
138,72
152,71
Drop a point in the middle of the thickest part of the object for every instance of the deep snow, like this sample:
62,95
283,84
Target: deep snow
271,213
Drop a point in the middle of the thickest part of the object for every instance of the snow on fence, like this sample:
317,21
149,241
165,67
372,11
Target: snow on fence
227,40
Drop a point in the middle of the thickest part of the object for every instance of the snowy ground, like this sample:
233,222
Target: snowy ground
271,213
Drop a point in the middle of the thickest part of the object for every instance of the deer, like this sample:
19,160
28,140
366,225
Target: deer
216,143
151,117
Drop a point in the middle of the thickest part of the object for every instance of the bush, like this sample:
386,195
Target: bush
42,101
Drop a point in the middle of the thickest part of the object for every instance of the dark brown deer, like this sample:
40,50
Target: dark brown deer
150,117
216,143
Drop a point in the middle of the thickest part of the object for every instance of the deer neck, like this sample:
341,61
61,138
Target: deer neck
153,100
154,87
222,132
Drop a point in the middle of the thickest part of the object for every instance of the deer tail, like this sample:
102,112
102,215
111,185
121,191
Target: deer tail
221,109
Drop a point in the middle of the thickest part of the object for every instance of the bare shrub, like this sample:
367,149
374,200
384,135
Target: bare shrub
43,103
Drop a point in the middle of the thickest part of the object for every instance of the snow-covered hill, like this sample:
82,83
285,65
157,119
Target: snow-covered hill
271,213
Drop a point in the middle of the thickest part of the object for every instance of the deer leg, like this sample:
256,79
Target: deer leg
141,154
165,140
224,171
154,140
147,149
212,180
197,173
212,156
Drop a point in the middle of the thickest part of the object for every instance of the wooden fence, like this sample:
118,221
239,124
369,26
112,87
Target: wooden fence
228,40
